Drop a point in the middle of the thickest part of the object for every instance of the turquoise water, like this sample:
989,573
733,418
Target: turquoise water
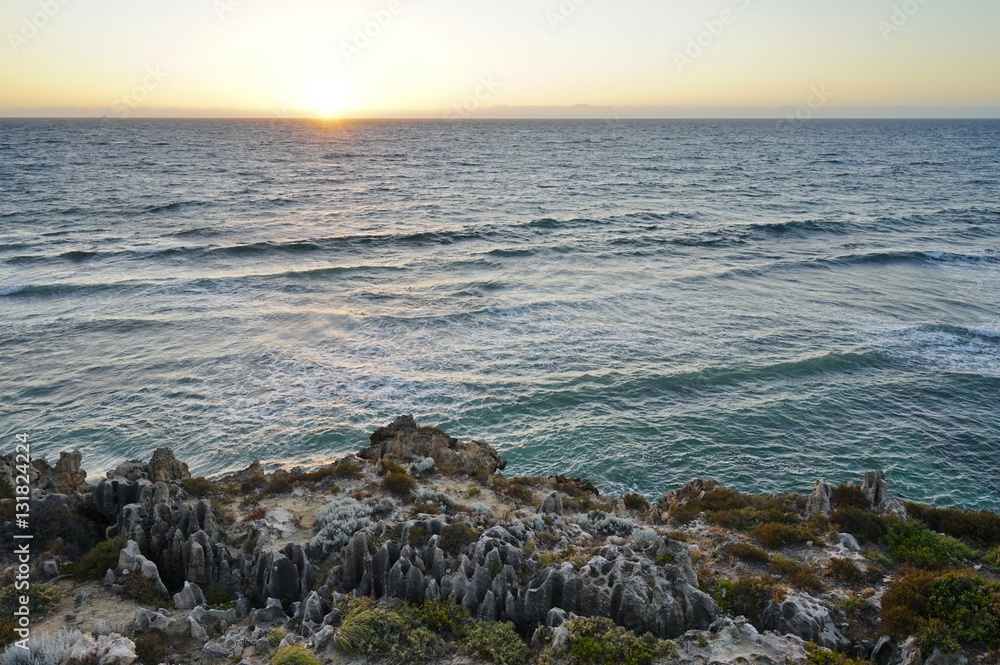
635,303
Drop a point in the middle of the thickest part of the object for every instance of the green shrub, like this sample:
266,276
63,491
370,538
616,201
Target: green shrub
398,636
735,510
42,598
199,488
294,654
387,467
844,570
276,634
981,528
910,543
457,536
496,642
96,562
441,616
863,524
848,495
749,596
636,502
819,656
776,535
599,641
747,552
797,575
150,649
142,591
400,484
952,610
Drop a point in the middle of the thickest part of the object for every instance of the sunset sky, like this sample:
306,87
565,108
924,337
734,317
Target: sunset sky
473,58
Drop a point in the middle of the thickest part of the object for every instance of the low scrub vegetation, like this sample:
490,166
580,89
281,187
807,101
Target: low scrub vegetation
776,535
951,610
98,560
912,544
734,510
599,641
979,528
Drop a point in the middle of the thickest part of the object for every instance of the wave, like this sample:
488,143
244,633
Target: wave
176,205
640,388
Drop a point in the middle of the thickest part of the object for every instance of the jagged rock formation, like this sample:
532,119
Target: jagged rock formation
403,439
492,579
818,503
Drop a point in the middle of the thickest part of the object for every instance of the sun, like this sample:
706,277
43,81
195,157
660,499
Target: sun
327,99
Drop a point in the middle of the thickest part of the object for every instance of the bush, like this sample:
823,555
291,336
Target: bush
636,502
912,544
496,642
606,524
199,488
866,526
750,596
953,610
844,570
400,484
848,496
796,574
142,591
294,654
734,510
345,469
599,641
44,649
101,558
398,636
747,552
456,537
387,467
442,617
41,599
276,634
343,517
776,535
150,649
981,528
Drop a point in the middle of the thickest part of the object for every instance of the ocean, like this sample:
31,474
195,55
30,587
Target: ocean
637,303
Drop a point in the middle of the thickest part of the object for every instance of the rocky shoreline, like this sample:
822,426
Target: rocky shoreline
419,550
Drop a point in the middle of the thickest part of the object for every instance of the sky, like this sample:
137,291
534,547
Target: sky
500,58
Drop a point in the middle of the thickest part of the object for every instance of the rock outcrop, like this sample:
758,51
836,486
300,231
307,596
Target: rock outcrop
404,440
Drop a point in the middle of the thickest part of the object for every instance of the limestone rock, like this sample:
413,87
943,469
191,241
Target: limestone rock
148,620
939,658
403,439
110,649
190,597
130,470
552,505
736,641
818,503
874,488
132,562
164,466
804,616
